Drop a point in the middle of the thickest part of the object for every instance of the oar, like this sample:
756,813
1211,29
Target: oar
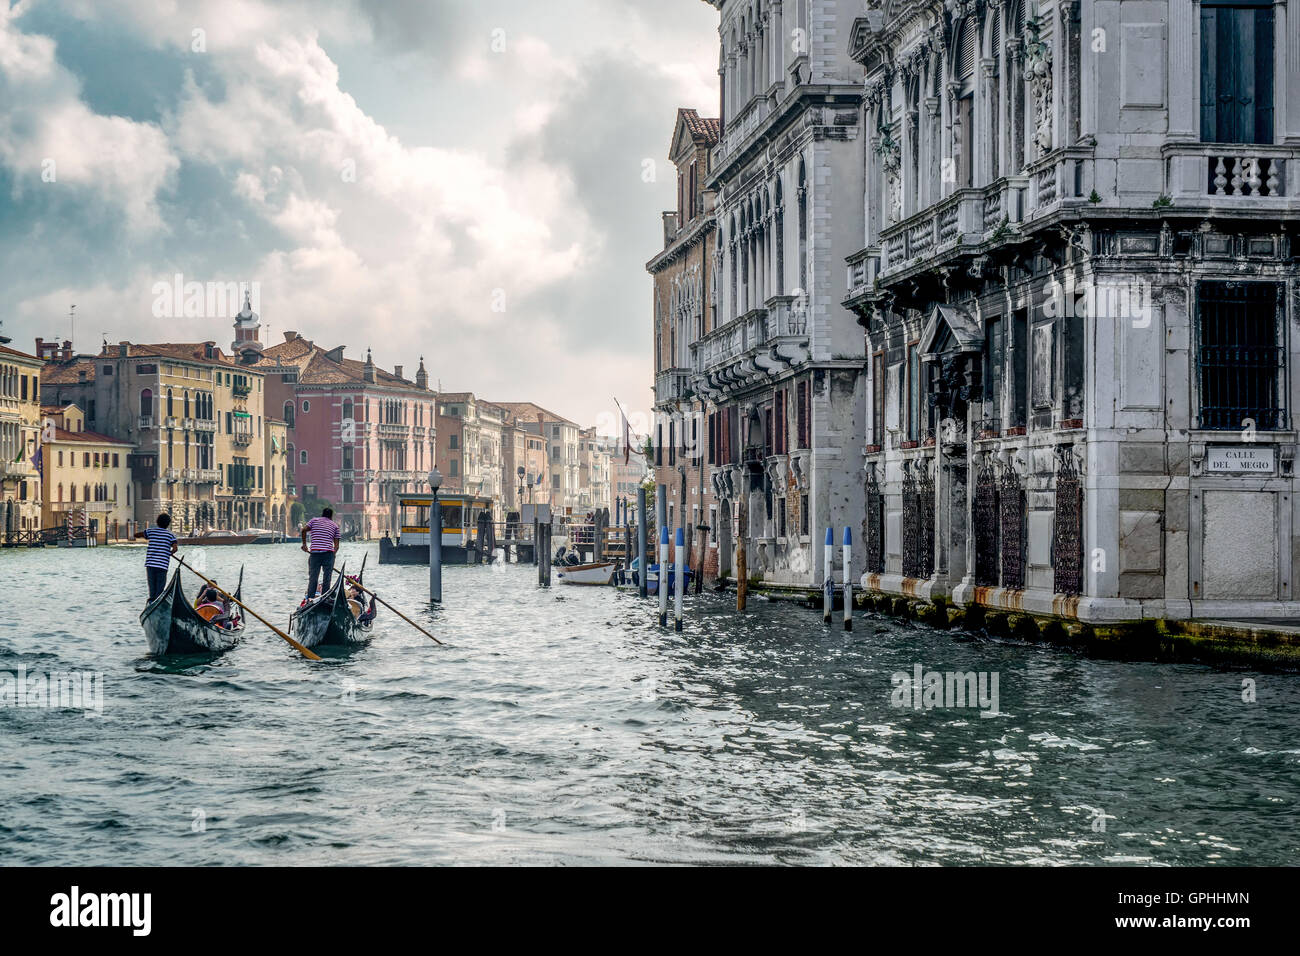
397,612
296,646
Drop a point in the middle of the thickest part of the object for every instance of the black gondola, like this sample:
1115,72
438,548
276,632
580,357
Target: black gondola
332,619
173,626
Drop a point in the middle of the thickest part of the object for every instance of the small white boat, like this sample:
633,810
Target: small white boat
602,572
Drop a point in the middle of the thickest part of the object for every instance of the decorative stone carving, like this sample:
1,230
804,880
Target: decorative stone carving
1038,69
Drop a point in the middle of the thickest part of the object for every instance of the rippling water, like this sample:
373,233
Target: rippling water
563,726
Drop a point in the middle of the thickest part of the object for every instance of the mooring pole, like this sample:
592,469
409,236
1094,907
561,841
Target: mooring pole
848,578
544,569
640,541
662,585
828,576
679,566
435,549
742,568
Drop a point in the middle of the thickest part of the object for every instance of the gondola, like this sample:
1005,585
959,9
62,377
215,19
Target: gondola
332,619
173,626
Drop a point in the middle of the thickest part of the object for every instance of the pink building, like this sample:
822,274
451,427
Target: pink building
357,434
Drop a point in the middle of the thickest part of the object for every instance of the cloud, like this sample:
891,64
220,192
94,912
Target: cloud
389,177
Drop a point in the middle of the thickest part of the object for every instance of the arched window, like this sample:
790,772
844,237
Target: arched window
778,225
146,402
187,403
85,492
60,497
288,413
170,406
803,229
347,408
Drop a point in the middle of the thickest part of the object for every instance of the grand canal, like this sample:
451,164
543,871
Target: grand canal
563,726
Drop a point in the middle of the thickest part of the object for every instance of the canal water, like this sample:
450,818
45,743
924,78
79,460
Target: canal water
563,726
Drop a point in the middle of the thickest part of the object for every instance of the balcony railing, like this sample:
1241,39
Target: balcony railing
204,425
934,229
171,474
671,385
144,421
242,438
1253,176
393,430
207,475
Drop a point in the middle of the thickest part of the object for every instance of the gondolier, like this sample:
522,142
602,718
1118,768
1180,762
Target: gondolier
157,557
324,543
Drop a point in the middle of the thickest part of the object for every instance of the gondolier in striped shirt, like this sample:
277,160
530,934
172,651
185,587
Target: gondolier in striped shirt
162,545
324,542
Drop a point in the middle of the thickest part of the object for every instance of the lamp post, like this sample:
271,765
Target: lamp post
435,539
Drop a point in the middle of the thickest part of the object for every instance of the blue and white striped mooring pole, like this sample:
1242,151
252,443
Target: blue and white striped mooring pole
828,578
663,576
848,579
679,565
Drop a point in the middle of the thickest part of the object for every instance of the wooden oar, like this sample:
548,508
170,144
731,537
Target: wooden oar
396,611
305,652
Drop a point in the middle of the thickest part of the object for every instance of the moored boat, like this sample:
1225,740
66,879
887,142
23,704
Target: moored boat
212,538
332,618
600,572
173,626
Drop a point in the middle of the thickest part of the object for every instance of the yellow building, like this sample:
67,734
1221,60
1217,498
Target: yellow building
20,416
87,477
277,475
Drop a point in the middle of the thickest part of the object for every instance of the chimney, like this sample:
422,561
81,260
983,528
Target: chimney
335,354
122,349
397,370
290,336
209,349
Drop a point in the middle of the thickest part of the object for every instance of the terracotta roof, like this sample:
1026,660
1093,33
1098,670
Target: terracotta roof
706,129
68,373
6,350
182,351
315,367
528,412
61,434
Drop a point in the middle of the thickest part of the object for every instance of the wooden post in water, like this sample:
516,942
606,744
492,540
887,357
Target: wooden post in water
544,555
828,576
848,579
742,569
679,566
641,541
662,586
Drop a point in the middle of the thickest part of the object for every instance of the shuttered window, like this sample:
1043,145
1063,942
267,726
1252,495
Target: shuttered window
1236,73
801,392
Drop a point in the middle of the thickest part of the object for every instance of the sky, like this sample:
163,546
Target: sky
476,181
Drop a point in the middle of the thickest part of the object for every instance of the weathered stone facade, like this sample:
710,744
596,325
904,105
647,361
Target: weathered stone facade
1078,285
781,371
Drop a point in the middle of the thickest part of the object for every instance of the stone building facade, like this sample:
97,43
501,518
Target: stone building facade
781,369
1077,287
20,422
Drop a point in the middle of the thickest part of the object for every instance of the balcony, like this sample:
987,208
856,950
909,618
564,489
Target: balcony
18,469
208,475
393,430
171,474
241,387
1229,177
171,421
204,425
671,385
144,422
758,345
933,231
241,438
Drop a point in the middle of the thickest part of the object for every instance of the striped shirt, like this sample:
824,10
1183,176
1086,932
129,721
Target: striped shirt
324,533
159,552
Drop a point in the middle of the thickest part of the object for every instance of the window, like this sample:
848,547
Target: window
1237,73
288,413
306,406
170,404
801,392
453,467
146,402
1239,355
347,493
454,442
555,482
302,457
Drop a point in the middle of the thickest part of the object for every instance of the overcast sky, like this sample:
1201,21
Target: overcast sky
462,179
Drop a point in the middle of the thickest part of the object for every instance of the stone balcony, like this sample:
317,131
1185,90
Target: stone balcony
204,425
672,385
1229,178
394,430
756,346
208,475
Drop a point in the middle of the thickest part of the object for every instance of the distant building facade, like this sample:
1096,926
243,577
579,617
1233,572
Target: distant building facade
20,420
87,477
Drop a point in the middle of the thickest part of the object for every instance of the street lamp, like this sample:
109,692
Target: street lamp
435,539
